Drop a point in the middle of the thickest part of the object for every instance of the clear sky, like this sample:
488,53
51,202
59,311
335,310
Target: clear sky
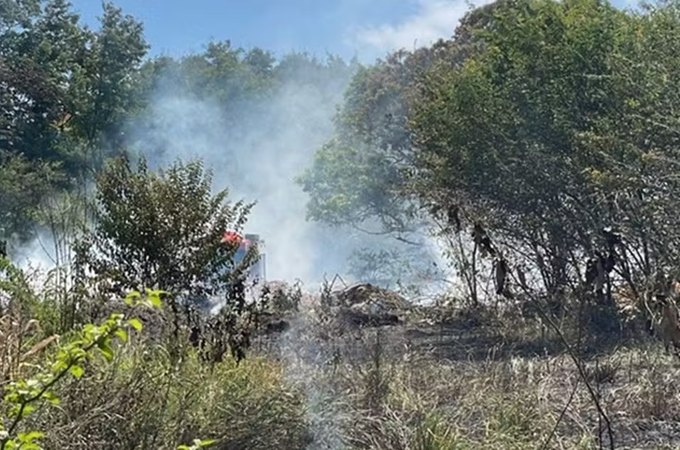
363,28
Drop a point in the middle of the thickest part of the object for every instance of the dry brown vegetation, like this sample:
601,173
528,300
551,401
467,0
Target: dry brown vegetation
440,378
477,379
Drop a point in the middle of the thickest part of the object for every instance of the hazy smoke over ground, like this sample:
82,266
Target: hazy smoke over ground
307,361
256,154
35,256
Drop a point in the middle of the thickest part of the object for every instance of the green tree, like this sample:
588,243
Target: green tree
635,181
105,93
541,126
17,12
27,107
160,229
67,92
21,183
367,171
90,77
559,131
497,133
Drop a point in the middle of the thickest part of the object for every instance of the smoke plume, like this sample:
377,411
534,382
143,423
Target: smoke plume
256,154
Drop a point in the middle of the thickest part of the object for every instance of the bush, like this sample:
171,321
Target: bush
142,401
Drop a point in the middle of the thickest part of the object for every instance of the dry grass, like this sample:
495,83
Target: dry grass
483,387
516,403
143,401
10,344
22,342
466,382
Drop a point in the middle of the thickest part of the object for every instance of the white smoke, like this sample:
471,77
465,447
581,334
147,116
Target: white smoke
36,257
257,156
306,360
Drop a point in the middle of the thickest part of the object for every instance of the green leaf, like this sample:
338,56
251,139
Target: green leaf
77,371
136,324
122,334
132,298
30,446
106,350
155,299
52,398
198,444
28,409
30,436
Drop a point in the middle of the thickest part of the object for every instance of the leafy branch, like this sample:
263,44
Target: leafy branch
22,395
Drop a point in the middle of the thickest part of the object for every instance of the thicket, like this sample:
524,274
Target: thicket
539,144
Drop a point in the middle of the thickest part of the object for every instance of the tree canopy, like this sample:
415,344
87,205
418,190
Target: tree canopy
66,91
547,125
72,94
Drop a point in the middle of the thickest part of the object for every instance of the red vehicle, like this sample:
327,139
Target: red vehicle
257,271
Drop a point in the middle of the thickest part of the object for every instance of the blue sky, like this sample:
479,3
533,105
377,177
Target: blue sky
366,28
363,28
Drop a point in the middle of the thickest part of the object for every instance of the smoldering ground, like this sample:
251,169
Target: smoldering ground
256,150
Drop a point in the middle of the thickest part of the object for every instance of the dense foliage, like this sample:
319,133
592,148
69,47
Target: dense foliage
544,128
153,230
66,91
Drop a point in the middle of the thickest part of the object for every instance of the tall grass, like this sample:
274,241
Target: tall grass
142,401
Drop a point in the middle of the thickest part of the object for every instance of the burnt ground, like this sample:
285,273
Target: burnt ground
634,380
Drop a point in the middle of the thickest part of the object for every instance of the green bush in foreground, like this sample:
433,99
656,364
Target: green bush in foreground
141,400
21,397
